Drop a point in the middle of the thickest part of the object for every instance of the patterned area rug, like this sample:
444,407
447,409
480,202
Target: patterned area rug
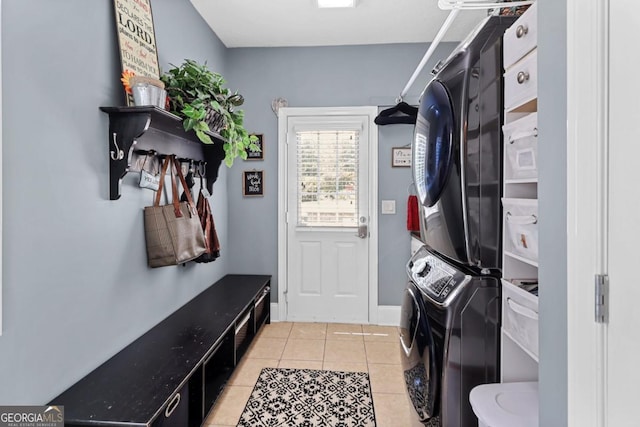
309,398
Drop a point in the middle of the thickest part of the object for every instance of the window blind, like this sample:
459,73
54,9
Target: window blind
327,170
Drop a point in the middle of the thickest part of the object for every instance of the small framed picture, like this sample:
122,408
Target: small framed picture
253,183
257,155
401,157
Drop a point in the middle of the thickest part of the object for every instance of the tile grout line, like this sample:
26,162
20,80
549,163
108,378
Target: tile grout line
366,359
324,350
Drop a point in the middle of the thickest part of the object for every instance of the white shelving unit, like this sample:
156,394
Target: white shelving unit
519,343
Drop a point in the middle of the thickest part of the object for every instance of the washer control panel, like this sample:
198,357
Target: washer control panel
437,279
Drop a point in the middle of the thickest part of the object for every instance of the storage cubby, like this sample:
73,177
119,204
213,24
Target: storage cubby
176,411
243,334
521,150
263,310
217,368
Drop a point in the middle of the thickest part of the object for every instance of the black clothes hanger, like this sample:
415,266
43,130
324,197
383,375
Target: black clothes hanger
188,179
401,113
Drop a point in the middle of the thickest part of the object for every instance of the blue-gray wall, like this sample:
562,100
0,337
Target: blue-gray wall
322,77
552,195
394,239
76,288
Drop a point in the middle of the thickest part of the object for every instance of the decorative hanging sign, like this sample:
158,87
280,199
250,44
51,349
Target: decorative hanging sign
136,38
257,155
401,157
253,183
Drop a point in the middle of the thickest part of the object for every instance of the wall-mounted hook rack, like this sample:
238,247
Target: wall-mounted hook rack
149,129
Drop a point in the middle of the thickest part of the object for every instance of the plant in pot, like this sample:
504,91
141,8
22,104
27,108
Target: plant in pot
198,95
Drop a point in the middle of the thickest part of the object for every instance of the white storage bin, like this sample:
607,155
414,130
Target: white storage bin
520,317
506,404
521,227
522,37
521,82
521,148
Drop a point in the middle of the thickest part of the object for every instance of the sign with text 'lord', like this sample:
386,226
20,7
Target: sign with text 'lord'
136,37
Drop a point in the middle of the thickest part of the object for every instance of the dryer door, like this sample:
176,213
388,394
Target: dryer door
433,143
418,355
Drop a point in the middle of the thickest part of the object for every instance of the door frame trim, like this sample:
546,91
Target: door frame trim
283,115
587,205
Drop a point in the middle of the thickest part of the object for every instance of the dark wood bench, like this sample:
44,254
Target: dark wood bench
173,374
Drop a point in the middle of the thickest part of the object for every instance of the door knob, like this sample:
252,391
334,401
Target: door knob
363,229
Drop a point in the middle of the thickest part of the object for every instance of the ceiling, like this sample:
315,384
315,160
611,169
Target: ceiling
267,23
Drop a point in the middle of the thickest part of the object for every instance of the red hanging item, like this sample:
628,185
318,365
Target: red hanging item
413,214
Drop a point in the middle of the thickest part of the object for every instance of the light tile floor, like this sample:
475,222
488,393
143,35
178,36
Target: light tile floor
335,347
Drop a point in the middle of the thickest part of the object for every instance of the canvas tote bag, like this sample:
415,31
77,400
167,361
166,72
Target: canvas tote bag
173,232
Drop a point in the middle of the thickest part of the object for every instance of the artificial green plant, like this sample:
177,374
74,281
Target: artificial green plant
195,93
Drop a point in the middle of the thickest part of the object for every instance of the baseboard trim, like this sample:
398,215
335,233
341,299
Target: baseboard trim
275,314
388,315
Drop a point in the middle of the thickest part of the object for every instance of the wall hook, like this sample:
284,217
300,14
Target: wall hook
120,153
202,168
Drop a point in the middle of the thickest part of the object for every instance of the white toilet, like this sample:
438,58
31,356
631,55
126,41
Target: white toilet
506,404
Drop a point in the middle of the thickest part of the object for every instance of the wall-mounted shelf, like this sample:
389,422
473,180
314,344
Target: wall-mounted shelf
521,258
521,181
148,128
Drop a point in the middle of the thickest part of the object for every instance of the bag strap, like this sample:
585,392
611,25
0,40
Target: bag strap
174,187
165,164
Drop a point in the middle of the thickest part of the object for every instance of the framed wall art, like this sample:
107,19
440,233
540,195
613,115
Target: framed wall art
401,157
257,155
253,183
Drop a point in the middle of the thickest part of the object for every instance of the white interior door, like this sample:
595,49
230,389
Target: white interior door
328,218
603,203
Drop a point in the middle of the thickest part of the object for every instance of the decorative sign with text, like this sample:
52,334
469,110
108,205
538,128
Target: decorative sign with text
253,183
401,157
136,37
257,155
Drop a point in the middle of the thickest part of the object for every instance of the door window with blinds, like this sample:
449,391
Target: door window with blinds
327,171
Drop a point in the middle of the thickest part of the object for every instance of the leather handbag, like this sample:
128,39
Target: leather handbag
209,228
173,232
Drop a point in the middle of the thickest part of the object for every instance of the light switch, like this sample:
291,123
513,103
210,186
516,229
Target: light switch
388,207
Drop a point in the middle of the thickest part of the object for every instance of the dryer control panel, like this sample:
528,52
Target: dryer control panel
437,279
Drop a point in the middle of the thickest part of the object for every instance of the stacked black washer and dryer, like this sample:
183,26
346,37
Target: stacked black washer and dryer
450,324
